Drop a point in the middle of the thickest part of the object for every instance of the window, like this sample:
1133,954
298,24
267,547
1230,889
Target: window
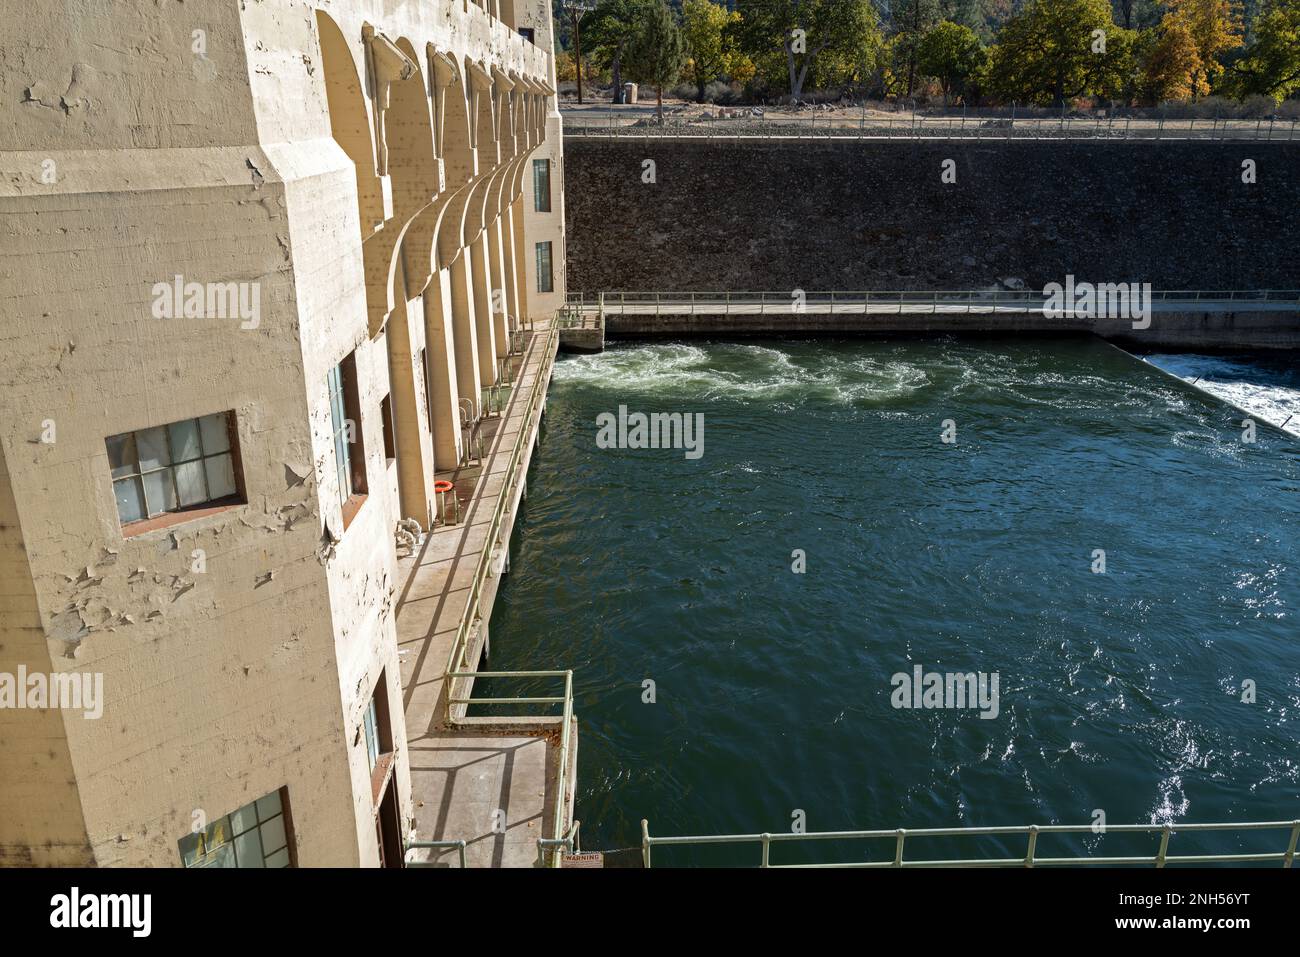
174,468
372,733
345,421
386,415
257,835
545,278
542,185
528,33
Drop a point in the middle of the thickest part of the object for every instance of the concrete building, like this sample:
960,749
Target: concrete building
258,262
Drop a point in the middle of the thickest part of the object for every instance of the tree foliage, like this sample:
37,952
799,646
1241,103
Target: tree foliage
1271,64
712,43
806,33
953,55
608,29
1214,27
656,54
1056,50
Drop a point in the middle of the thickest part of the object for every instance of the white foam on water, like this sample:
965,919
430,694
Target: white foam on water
1239,382
744,372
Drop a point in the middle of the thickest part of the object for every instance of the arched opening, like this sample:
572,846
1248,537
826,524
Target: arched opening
350,121
409,133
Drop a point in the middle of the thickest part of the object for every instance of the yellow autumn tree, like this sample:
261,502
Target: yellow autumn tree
1170,66
1213,26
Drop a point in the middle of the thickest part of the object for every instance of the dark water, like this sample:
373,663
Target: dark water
1118,691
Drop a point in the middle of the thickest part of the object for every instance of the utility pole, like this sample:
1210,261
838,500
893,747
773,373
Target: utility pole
576,9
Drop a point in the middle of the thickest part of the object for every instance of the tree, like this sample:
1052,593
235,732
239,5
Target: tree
607,30
656,55
1170,64
1054,50
952,54
1271,65
710,41
806,31
1214,27
913,19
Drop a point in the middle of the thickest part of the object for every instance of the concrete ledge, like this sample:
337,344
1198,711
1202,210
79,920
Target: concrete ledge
1210,330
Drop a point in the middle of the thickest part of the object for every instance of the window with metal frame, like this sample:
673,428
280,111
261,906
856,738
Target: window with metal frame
345,424
545,275
175,467
256,835
542,185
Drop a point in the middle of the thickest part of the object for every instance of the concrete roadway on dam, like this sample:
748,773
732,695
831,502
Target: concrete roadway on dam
778,304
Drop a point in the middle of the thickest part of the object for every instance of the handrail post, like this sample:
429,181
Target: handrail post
898,848
767,850
1164,845
1033,845
1290,848
645,843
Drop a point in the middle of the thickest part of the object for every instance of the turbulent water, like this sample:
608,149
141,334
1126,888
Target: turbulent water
1119,692
1267,388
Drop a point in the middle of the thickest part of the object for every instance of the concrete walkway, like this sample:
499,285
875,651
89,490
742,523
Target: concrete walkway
492,787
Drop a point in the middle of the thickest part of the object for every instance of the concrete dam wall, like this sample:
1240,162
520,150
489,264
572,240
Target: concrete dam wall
759,214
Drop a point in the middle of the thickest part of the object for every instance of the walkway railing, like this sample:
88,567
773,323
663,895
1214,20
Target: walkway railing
566,700
1030,833
786,126
795,302
456,661
434,845
459,669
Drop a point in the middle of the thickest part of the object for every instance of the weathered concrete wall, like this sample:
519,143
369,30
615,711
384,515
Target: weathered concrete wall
874,215
228,142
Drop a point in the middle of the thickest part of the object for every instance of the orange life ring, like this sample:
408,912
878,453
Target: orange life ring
442,485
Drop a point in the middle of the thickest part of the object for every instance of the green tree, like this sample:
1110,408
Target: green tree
1055,50
656,55
913,19
710,41
1271,64
952,54
608,29
806,31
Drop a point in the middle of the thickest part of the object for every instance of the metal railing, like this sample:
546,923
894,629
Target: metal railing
1031,833
570,843
1112,127
969,301
566,701
457,670
436,845
460,645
